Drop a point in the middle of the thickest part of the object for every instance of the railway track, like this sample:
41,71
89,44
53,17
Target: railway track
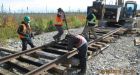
52,57
5,52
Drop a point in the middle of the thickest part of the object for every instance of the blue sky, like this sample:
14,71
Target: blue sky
48,5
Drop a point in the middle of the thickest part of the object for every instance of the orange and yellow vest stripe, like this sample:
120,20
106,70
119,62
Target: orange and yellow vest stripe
25,31
59,21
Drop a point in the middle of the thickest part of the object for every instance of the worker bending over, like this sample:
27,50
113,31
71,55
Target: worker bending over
80,43
25,33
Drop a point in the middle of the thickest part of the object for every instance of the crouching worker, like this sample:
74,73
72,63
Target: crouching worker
80,43
25,34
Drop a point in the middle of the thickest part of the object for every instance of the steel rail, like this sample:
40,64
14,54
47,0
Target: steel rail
7,58
106,35
52,64
45,67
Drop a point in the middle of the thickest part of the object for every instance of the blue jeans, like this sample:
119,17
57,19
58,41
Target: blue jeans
82,55
86,32
26,41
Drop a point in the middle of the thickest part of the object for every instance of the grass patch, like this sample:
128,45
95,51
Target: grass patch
39,23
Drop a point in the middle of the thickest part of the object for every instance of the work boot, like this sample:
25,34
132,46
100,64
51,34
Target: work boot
55,39
77,67
82,73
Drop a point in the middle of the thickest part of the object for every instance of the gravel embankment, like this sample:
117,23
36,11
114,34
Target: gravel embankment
39,39
120,55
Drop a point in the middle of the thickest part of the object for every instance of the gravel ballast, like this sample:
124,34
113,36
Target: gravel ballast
119,55
122,55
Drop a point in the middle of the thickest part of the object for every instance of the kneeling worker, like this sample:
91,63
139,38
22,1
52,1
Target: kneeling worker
80,43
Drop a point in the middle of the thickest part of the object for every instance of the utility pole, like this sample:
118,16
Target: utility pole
9,9
27,9
2,8
46,8
69,9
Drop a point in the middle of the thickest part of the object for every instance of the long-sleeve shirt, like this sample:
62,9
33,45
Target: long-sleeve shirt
76,41
20,30
23,30
90,17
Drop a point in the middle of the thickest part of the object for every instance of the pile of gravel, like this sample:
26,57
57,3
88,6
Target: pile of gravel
120,55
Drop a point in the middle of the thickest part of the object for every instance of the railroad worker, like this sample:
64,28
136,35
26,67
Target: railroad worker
80,43
58,24
62,13
25,33
90,24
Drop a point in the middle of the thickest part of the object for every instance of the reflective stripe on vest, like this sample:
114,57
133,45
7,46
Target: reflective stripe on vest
93,20
59,21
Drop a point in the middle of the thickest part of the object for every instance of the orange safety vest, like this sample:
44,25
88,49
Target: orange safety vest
25,30
59,21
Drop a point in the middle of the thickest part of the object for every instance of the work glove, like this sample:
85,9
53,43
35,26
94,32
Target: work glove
32,35
26,36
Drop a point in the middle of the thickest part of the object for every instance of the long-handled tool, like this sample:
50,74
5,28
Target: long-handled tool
66,23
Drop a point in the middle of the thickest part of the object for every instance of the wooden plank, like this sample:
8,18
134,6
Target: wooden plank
102,30
91,48
52,64
97,45
116,36
121,32
106,46
60,46
55,50
61,70
89,52
47,55
137,41
34,61
5,72
7,50
108,40
24,65
101,43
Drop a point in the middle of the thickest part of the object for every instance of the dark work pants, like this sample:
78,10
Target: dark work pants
86,32
25,42
82,55
60,32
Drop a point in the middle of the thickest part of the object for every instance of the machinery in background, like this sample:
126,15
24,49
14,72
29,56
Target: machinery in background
120,14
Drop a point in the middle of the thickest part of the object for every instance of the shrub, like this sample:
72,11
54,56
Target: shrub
39,23
51,26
